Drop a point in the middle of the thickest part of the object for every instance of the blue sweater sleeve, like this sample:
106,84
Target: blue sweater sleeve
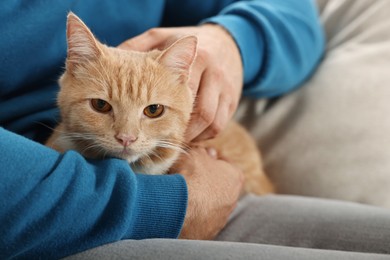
281,42
53,205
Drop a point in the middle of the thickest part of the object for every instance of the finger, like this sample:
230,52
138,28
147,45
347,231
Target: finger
146,41
206,105
220,121
212,152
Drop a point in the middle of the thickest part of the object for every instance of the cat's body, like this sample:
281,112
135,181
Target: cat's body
136,106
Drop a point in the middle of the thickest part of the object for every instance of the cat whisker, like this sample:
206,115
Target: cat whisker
153,153
180,147
105,152
45,125
143,159
91,147
76,136
183,144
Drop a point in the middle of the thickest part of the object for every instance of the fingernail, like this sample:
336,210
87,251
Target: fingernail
212,152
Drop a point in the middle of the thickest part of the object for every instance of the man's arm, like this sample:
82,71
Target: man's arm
280,41
56,204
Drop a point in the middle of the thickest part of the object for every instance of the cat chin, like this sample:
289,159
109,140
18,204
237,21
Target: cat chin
131,158
153,168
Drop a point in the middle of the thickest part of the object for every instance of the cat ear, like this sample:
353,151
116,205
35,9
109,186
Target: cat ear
82,45
180,56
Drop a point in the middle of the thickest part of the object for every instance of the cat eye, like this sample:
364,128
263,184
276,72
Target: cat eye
154,111
100,105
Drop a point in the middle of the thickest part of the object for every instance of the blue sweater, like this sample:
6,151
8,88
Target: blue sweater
53,205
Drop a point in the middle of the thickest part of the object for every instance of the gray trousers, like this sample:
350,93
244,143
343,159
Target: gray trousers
328,139
275,227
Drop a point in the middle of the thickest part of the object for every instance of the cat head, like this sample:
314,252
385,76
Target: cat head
125,104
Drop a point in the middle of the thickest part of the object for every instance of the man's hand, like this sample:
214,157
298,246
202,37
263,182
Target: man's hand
214,187
216,78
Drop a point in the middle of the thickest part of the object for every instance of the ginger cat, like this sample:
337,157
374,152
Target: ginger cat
136,106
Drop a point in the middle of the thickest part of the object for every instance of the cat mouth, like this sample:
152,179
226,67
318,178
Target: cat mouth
128,154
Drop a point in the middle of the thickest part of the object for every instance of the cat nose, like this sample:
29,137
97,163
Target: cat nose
126,139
